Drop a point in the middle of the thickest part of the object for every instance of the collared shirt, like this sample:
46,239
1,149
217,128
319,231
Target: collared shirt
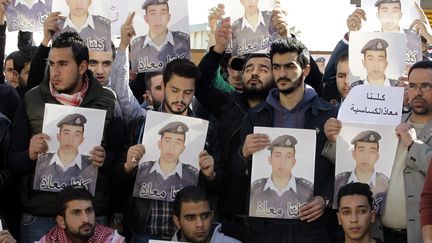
386,82
291,185
246,24
23,2
76,161
177,170
371,181
88,22
168,39
160,220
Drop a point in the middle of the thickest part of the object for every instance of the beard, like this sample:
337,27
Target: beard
172,110
420,111
81,235
258,93
295,85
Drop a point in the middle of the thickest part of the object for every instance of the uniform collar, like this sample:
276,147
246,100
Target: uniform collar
291,185
56,160
246,24
168,39
386,82
371,181
88,22
23,2
177,170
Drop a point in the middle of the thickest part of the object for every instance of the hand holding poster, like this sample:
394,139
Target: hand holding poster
27,14
172,147
67,161
283,174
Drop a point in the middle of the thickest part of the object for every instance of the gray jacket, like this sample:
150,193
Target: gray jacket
217,237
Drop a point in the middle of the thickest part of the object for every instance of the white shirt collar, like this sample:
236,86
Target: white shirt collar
177,170
271,185
56,160
168,39
245,22
23,2
386,82
371,181
88,22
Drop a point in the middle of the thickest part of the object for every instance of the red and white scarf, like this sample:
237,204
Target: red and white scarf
73,99
101,234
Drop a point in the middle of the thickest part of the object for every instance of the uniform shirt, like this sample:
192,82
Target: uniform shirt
387,82
267,201
22,16
52,175
147,56
96,32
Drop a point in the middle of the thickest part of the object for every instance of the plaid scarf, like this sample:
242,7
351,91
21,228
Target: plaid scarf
101,234
74,99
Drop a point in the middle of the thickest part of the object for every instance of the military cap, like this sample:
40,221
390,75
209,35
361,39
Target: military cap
378,2
320,59
153,2
286,141
367,136
375,45
73,119
174,127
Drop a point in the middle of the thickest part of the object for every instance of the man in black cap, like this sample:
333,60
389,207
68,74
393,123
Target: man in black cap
366,154
282,190
152,51
95,30
375,61
167,175
28,14
67,166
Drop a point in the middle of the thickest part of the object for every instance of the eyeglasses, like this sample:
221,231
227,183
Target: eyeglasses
424,87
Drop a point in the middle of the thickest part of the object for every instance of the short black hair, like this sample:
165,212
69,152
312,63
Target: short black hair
147,78
181,67
73,40
356,188
18,60
251,56
291,44
145,9
71,193
426,64
189,194
342,58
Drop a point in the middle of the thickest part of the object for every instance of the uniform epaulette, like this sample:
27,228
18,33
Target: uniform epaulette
102,19
358,82
261,181
44,156
138,39
237,23
147,164
181,35
343,174
304,182
191,168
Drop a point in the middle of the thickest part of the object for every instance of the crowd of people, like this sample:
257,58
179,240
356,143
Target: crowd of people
283,87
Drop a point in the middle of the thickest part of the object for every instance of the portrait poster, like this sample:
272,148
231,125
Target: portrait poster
28,15
365,153
119,13
375,58
252,36
73,132
171,160
94,29
283,173
162,34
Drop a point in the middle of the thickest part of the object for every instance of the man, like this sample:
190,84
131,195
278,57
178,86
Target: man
76,220
366,154
14,64
282,190
321,62
166,175
254,32
68,83
193,217
426,208
153,95
355,212
101,63
28,14
152,51
234,70
95,30
375,61
342,76
389,14
292,105
401,211
67,166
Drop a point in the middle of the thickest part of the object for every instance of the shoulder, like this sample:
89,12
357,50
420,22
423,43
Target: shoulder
343,175
358,82
189,168
237,23
138,40
101,19
85,159
266,14
46,157
393,82
259,184
180,35
146,166
382,176
304,183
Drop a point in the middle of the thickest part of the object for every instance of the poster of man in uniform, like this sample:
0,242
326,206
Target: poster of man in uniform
395,16
91,19
365,153
27,14
283,173
171,160
375,58
73,133
252,28
162,30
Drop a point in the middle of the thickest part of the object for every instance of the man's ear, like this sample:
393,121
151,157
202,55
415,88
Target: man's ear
176,221
306,71
338,216
60,221
83,67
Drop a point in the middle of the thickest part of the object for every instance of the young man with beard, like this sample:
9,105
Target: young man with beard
292,105
401,219
76,220
68,83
